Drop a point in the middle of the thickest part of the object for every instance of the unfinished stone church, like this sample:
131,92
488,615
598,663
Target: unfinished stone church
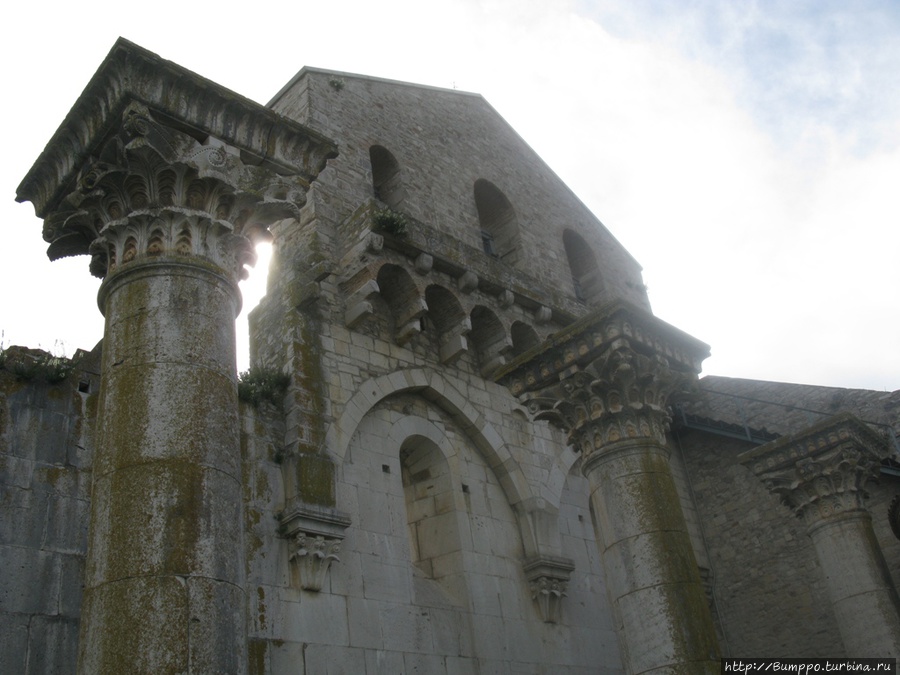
469,446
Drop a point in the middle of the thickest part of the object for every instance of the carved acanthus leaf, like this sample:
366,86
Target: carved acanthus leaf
150,173
821,471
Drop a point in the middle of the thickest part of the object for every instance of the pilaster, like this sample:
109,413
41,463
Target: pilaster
821,474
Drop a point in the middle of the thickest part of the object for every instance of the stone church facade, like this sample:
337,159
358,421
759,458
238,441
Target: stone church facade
478,451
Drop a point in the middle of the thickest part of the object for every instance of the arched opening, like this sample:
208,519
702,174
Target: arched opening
583,267
489,339
386,179
428,491
450,322
499,226
400,293
524,337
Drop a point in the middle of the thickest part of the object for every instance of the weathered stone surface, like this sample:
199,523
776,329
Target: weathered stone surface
821,473
472,537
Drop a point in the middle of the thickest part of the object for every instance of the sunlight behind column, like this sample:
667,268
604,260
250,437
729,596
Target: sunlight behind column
252,289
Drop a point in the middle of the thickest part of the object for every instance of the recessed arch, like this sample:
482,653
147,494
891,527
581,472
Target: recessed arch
524,337
441,391
499,225
582,265
426,477
387,181
450,322
444,308
489,339
402,296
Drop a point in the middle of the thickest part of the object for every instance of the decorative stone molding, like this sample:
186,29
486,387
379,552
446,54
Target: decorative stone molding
821,471
374,242
548,580
155,191
140,169
607,377
315,534
189,103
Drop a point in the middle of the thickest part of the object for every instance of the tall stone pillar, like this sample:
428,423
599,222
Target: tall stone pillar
821,474
166,179
606,382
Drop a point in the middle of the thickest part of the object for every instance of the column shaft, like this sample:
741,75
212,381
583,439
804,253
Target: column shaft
859,585
164,579
652,578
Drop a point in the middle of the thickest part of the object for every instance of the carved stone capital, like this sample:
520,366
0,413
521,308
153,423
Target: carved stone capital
821,472
548,581
155,191
608,377
152,155
315,534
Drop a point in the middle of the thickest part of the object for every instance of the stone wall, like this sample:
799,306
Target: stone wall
770,593
45,484
444,141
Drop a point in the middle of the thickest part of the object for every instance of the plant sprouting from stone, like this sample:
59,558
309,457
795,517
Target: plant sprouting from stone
390,221
336,83
35,364
260,384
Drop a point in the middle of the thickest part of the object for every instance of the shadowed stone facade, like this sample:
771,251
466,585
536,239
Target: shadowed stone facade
489,456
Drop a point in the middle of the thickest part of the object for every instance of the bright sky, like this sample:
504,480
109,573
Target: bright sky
744,152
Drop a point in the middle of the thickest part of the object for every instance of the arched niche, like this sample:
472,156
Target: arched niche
450,322
489,338
524,337
583,266
499,225
402,296
427,483
387,182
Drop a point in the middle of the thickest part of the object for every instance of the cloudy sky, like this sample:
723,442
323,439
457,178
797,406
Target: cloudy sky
747,153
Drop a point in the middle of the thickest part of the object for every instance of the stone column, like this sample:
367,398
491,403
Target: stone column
606,382
821,474
171,222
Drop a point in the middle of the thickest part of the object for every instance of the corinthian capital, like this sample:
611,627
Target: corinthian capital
154,160
822,471
607,377
153,190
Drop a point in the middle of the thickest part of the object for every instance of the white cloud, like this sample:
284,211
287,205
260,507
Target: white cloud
745,157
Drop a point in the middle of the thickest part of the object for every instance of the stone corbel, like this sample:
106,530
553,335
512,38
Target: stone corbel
315,534
494,356
454,342
374,242
468,282
359,304
543,315
424,263
409,321
548,580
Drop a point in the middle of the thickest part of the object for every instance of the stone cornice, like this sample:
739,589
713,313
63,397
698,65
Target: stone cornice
185,101
582,342
822,470
154,190
607,377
